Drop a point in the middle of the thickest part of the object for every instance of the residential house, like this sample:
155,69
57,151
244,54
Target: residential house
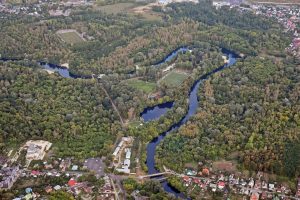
254,196
221,185
48,189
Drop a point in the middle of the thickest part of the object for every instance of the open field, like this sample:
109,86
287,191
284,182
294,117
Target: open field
70,36
116,8
142,85
173,78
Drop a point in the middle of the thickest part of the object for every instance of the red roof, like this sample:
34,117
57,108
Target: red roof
34,172
186,178
72,182
221,183
197,181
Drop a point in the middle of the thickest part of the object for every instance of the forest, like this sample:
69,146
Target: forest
249,113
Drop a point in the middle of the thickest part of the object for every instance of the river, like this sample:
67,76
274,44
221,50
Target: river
193,105
155,112
170,56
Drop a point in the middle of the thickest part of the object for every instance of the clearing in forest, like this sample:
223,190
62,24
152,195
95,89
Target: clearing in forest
116,8
173,78
147,87
70,36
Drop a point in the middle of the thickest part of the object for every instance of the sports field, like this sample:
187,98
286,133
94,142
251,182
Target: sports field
147,87
70,36
173,78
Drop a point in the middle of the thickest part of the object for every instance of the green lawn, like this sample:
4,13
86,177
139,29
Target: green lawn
147,87
70,37
173,79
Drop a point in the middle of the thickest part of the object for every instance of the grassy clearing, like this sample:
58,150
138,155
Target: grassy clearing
116,8
147,87
173,79
70,37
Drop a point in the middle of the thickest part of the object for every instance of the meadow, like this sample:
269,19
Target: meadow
173,79
147,87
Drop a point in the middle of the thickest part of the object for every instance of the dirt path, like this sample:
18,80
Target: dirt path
114,106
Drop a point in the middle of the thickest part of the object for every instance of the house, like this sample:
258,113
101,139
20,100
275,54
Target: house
72,182
64,164
57,187
48,166
251,182
35,173
205,172
128,153
264,195
264,185
197,181
186,179
254,196
48,189
271,187
74,167
221,185
257,184
213,187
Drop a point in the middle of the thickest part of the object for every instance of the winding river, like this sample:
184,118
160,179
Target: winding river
170,56
193,105
155,112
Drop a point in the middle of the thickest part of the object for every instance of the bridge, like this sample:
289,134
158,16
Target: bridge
153,175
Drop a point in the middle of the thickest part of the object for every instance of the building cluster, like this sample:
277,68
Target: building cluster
255,188
121,162
8,176
288,16
126,162
36,9
33,10
36,150
165,2
106,192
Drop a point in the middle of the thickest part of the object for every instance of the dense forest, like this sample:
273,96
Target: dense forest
34,105
249,113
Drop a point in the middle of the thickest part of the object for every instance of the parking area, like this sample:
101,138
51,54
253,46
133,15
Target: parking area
96,165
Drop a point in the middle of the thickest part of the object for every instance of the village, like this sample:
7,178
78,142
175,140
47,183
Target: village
252,187
287,15
86,179
93,179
